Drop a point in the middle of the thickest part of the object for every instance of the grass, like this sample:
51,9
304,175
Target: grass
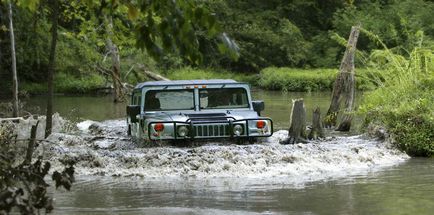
188,73
302,80
65,83
404,101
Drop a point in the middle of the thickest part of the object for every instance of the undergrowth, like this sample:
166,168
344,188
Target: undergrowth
188,73
404,101
303,80
66,83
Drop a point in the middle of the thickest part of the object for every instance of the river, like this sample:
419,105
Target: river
79,108
342,175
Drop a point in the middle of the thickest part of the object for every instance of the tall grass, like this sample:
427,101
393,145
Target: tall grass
66,83
302,80
404,101
188,73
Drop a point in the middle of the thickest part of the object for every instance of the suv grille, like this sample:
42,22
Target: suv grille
213,130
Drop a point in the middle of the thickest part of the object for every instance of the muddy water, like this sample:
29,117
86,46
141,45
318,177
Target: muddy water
406,188
341,175
79,108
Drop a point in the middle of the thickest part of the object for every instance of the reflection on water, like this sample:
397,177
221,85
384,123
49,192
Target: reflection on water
78,108
403,189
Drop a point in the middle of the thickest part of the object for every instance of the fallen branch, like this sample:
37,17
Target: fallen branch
152,75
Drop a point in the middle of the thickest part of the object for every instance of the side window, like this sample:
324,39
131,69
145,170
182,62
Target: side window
132,99
136,98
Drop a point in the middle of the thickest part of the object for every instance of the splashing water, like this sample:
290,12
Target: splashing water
102,148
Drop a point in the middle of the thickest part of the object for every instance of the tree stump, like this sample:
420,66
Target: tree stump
297,130
344,84
31,145
317,130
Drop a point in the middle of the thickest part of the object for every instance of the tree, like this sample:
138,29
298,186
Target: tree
54,6
344,86
160,27
119,94
14,64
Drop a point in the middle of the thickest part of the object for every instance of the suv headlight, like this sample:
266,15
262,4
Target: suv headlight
182,131
238,130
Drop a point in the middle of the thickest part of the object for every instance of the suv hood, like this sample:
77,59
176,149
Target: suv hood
222,116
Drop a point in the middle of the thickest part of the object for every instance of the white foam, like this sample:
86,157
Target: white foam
84,125
116,155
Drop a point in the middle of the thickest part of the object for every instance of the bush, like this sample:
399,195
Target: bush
66,83
189,73
23,185
407,114
300,80
404,101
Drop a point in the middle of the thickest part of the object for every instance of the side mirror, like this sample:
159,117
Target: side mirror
132,112
258,106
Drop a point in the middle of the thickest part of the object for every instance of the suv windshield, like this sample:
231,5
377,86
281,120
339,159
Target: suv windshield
223,98
169,100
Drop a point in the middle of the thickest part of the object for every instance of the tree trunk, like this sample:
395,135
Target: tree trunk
31,145
344,81
317,130
51,65
297,130
345,124
119,94
15,112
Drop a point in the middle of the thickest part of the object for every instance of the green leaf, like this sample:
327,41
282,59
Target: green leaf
133,13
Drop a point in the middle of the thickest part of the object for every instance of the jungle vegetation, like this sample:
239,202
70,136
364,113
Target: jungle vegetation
291,45
61,46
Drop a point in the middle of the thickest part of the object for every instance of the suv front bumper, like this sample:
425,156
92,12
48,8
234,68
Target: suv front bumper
211,129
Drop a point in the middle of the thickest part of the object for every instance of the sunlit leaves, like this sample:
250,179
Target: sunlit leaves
167,26
29,4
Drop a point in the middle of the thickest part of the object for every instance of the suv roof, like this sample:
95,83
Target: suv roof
185,82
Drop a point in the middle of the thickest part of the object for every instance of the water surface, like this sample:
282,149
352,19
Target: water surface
343,175
404,189
78,108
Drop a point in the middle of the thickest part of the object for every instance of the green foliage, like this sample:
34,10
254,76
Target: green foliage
404,100
170,26
274,33
188,73
395,21
263,34
23,185
298,80
67,83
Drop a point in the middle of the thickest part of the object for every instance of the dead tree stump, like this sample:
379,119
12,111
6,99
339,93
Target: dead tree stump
344,84
317,130
31,145
297,129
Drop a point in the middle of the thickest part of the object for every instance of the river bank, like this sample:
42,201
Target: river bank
286,79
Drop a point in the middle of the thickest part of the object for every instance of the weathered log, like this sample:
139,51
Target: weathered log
155,76
345,124
344,83
31,145
15,119
297,130
317,130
